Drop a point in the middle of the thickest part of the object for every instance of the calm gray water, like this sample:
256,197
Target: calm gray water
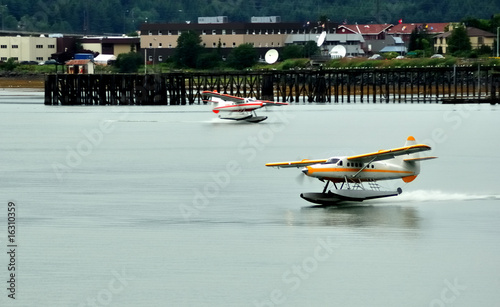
168,206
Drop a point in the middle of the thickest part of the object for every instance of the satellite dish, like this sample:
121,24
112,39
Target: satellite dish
321,38
271,56
338,52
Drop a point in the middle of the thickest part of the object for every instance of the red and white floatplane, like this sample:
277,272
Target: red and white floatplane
238,108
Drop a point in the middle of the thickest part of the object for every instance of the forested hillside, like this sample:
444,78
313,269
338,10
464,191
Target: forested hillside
123,16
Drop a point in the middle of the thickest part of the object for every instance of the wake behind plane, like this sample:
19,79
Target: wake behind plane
347,174
237,108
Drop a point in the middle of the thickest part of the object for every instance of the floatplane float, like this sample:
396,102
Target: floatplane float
238,108
347,174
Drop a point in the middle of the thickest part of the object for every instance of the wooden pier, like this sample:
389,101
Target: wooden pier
395,85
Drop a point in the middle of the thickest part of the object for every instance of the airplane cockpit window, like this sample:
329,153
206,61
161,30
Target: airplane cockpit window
332,161
340,163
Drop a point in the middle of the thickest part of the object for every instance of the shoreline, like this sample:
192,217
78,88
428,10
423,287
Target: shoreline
29,82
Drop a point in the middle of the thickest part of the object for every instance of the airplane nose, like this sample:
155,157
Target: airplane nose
305,170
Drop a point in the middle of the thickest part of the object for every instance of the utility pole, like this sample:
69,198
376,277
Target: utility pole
498,28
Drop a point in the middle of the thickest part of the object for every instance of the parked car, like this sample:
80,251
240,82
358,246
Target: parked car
399,57
28,63
437,56
49,62
376,57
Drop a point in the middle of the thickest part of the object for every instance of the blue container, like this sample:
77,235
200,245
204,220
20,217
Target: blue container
84,56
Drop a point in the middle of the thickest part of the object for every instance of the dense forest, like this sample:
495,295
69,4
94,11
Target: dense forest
125,16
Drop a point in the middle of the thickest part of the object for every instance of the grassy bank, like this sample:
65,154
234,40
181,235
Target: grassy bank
33,76
30,81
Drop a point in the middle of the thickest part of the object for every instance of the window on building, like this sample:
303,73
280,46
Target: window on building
214,45
169,45
150,58
150,45
15,46
150,33
51,46
203,32
214,32
3,46
160,45
3,59
16,58
234,32
223,32
223,44
39,58
160,58
234,44
39,46
159,32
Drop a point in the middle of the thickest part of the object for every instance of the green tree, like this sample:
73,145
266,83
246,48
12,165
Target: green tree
9,65
188,49
412,44
128,62
292,52
208,60
420,40
310,49
242,56
458,42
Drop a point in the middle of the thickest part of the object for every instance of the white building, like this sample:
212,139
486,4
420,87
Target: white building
27,48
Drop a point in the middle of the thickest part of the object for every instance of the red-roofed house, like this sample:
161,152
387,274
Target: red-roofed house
369,31
375,35
80,66
404,30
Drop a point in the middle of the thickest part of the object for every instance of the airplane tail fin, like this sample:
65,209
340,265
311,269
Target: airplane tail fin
410,141
413,160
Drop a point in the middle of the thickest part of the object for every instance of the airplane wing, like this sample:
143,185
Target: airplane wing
239,100
302,163
224,96
268,103
389,153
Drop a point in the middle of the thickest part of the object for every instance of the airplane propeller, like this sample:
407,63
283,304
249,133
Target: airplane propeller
302,176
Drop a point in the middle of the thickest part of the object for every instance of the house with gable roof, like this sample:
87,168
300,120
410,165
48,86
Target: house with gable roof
375,35
403,30
477,39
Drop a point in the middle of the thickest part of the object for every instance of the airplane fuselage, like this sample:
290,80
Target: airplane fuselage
342,169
